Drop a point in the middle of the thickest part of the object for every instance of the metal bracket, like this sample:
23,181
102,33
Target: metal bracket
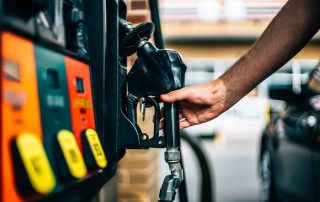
131,135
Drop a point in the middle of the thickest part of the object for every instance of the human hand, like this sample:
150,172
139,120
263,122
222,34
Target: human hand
199,103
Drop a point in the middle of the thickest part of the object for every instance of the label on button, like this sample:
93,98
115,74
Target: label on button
72,154
95,148
36,163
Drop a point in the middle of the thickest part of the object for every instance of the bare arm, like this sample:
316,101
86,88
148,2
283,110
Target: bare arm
285,36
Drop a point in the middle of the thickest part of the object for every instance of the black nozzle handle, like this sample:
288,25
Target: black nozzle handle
171,125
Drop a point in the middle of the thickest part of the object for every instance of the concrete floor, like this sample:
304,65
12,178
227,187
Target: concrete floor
233,158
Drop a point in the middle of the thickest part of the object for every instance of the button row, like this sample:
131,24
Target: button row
33,172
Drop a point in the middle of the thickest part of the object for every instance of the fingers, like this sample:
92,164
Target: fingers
176,95
161,124
182,123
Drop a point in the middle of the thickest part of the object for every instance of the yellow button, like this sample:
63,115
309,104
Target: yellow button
36,163
72,154
96,148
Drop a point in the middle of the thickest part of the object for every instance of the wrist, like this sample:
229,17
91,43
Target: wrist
233,85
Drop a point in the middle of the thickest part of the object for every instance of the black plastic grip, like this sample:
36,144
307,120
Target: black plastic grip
171,124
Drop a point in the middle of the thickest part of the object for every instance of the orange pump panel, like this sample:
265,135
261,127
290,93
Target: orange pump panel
80,96
19,102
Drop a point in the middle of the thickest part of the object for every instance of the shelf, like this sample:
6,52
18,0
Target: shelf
213,30
221,32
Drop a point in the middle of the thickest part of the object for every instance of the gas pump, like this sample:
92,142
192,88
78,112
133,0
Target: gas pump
53,145
66,117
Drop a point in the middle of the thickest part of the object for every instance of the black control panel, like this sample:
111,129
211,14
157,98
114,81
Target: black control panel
59,98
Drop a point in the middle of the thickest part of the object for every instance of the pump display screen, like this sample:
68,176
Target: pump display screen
12,70
80,86
52,79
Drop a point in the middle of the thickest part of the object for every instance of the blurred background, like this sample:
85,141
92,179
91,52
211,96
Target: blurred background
211,35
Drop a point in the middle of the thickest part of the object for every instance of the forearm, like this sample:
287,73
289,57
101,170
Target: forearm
286,35
293,27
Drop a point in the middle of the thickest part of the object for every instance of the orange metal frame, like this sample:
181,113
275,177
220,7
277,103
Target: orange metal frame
81,104
19,105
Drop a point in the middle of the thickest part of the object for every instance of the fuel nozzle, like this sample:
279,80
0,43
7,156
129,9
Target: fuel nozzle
155,72
158,71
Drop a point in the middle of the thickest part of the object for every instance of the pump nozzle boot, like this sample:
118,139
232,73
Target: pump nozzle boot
156,71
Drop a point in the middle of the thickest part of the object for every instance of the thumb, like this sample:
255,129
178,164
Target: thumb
176,95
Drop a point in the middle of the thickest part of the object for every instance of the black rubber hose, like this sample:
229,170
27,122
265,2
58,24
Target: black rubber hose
155,17
183,196
207,187
158,39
